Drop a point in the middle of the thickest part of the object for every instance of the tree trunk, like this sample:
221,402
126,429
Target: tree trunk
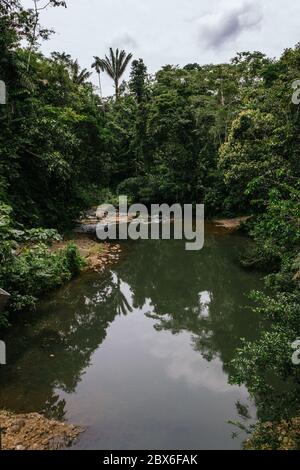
100,86
117,89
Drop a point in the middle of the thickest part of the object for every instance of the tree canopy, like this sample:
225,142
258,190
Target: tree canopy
226,135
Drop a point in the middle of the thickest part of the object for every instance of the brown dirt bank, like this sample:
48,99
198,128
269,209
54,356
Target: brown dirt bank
98,256
34,432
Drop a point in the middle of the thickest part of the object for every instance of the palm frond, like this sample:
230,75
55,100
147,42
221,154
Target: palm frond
124,64
114,65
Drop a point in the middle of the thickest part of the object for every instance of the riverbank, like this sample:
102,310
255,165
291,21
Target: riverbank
35,432
96,256
39,260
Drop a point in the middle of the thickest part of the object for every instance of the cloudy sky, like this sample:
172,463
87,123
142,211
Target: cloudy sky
172,31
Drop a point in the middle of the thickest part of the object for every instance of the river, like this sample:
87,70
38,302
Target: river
140,355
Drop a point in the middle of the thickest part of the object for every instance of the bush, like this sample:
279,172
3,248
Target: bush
28,272
275,436
35,271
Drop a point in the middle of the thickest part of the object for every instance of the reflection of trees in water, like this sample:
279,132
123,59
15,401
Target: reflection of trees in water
73,323
54,349
55,407
175,281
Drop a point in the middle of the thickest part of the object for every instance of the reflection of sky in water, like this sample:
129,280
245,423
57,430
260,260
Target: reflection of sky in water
147,375
137,355
204,301
182,363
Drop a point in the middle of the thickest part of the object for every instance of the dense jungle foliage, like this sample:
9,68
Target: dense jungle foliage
224,135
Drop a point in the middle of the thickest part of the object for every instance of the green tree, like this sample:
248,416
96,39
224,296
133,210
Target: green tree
79,76
96,66
115,66
138,80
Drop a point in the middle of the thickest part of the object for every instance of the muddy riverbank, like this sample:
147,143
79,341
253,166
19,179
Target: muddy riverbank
33,431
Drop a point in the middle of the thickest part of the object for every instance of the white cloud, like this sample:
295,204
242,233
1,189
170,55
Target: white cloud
171,31
219,28
123,41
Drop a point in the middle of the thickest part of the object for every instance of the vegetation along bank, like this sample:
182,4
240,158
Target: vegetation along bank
225,135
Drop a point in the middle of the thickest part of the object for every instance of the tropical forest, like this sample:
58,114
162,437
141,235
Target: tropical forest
142,344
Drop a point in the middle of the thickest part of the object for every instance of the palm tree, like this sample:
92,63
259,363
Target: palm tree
78,76
96,65
114,66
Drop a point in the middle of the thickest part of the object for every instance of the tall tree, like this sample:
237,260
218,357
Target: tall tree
35,32
96,66
114,66
78,76
138,78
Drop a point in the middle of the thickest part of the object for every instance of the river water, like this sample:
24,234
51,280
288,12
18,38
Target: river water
140,355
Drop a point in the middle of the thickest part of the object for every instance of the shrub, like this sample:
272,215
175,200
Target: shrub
28,272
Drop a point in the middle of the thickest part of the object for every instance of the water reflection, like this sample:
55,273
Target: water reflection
203,293
55,346
185,312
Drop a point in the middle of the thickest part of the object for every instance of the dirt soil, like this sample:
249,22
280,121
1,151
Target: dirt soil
34,432
98,256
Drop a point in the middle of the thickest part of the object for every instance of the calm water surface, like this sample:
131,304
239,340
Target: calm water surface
139,355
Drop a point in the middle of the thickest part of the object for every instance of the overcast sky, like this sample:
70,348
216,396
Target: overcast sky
172,31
